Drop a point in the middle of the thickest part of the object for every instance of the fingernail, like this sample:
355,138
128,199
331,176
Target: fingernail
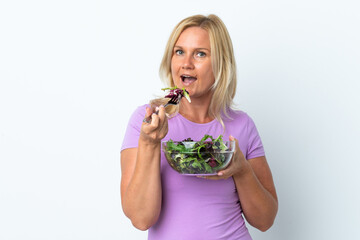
220,174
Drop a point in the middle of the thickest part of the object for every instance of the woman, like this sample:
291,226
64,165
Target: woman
199,57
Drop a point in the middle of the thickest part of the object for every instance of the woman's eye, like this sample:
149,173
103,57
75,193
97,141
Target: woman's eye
201,54
179,52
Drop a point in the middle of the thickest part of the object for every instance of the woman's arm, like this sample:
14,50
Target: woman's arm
255,187
257,193
140,174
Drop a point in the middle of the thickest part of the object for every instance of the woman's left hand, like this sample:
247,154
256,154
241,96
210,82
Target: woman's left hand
236,165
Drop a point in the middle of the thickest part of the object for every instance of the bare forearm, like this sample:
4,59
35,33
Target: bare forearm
258,204
142,198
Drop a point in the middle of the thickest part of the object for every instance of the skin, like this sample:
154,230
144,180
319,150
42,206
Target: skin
192,56
140,167
141,182
255,187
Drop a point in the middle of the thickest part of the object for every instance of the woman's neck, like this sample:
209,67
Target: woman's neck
197,111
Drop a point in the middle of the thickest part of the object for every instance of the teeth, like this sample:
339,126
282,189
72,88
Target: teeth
186,76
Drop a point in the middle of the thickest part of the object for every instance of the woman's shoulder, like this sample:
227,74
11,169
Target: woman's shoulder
239,118
139,112
236,114
141,108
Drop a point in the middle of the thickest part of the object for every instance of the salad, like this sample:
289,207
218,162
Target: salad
177,93
198,157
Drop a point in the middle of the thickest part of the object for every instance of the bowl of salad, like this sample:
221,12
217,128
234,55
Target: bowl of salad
204,157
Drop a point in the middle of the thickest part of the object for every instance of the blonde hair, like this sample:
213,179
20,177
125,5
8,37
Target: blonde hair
222,59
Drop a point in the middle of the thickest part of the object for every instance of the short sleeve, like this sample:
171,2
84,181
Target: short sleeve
255,147
131,137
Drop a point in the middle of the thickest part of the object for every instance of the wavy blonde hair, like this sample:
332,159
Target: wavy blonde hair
222,60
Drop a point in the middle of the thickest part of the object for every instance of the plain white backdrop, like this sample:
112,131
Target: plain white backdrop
72,72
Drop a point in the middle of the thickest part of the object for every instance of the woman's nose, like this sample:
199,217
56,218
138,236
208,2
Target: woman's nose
188,62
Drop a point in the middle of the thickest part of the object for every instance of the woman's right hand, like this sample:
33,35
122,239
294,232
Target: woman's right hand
154,131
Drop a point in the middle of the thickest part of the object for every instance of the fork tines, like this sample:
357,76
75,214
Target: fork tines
174,100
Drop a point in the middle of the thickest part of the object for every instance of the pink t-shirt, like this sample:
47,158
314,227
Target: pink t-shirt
195,208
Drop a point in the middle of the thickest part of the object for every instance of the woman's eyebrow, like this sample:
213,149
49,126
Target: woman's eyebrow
195,48
203,49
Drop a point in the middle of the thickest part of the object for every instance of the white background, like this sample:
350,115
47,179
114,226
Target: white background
71,73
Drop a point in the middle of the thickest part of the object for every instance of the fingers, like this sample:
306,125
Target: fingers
161,112
155,125
237,148
147,117
231,138
222,174
158,114
232,168
158,117
162,115
216,177
154,120
148,112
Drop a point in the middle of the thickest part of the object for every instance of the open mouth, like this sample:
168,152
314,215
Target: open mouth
187,79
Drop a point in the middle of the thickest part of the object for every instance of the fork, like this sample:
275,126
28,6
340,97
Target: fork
173,101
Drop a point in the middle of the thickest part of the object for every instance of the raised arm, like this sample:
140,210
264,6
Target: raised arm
140,173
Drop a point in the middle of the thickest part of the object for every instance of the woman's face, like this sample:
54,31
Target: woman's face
191,62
